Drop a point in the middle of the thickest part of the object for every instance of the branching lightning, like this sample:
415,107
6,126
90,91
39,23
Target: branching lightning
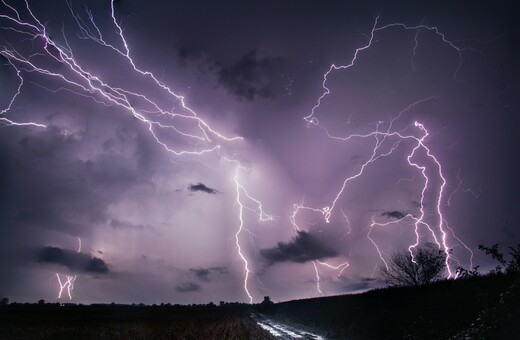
85,83
68,281
438,231
195,136
241,197
67,284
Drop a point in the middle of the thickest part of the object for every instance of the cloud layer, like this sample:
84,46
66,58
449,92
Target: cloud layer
304,247
74,261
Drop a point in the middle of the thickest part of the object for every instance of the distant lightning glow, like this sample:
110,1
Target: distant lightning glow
460,187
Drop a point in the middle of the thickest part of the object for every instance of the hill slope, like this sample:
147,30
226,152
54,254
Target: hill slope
476,308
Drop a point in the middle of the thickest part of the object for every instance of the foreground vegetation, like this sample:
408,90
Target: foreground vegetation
127,322
473,308
418,304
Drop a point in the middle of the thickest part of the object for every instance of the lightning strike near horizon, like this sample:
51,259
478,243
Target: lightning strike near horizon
241,195
68,283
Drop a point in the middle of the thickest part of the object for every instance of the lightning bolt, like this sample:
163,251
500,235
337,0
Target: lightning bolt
68,282
438,231
78,80
242,196
195,136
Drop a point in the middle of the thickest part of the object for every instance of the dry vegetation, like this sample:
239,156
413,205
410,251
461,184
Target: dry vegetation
54,322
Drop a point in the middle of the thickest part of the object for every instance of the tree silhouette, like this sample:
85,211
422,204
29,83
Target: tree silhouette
510,267
425,267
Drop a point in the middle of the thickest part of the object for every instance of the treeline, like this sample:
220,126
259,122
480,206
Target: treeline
5,302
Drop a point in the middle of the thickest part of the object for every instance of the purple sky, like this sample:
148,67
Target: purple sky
159,227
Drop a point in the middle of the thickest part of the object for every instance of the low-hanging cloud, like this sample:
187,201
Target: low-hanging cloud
188,287
302,248
73,260
203,188
394,214
205,274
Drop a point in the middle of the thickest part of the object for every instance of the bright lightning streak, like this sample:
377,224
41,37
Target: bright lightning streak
437,232
13,98
77,78
85,83
317,277
241,196
68,283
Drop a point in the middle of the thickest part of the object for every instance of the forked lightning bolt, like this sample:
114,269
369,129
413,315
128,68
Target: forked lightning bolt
77,79
195,136
242,196
68,282
438,232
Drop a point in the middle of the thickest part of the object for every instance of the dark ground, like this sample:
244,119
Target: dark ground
475,308
127,322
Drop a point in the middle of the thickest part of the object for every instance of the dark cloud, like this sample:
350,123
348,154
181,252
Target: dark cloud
302,248
394,214
251,76
204,274
73,260
202,187
49,187
188,287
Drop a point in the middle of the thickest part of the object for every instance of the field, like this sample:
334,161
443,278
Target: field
486,307
127,322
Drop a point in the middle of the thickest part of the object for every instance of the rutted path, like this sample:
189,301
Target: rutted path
282,331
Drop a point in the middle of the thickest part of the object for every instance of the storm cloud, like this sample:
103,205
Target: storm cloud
251,76
204,274
394,214
202,188
304,247
77,262
188,287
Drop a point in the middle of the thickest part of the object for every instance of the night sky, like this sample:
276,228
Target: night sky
108,187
